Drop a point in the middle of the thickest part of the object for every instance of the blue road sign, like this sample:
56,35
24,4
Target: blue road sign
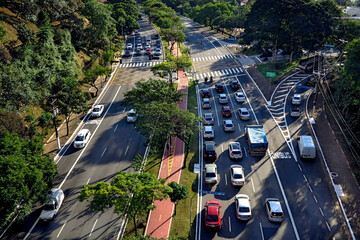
302,87
329,45
215,193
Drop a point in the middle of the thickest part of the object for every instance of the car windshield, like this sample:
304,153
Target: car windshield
96,109
209,147
228,125
79,138
212,218
223,97
211,174
244,112
234,83
132,114
295,110
237,175
49,207
244,209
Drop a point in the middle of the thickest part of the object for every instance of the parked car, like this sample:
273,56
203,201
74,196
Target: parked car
296,99
240,97
127,53
206,104
244,114
242,207
223,99
139,46
226,111
156,36
129,46
274,210
97,111
148,45
228,126
210,173
158,52
295,112
208,118
235,151
138,52
219,88
213,215
82,138
209,151
237,176
132,116
53,203
234,85
148,51
205,93
208,132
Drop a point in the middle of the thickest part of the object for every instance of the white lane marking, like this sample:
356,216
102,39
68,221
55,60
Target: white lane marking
216,111
103,152
32,228
225,180
116,127
310,188
239,126
322,213
328,226
248,101
124,110
127,148
245,152
229,224
87,182
260,62
60,229
299,167
222,148
315,199
93,227
262,234
252,183
284,196
305,177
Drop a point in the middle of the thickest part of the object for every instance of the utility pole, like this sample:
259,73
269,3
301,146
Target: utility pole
55,113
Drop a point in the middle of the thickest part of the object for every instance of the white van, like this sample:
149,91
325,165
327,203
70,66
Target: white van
307,147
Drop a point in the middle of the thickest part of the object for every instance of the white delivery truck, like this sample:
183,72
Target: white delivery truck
306,147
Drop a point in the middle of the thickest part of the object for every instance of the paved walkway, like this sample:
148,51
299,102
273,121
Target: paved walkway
159,220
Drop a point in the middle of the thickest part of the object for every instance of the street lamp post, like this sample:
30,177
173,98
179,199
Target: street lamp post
55,113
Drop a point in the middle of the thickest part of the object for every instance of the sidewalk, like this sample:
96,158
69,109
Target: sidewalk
159,220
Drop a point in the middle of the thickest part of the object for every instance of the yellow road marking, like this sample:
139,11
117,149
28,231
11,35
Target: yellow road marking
160,218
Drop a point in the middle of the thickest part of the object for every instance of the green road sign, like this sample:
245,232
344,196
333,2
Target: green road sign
270,74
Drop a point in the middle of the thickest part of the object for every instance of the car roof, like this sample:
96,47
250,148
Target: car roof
228,121
83,132
297,95
208,114
240,93
274,204
243,200
237,169
243,109
206,99
211,167
132,111
205,90
235,143
222,95
213,210
98,106
208,128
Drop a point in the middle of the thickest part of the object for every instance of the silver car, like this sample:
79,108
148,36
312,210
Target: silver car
208,132
235,151
228,126
82,138
242,207
295,112
296,99
210,173
244,114
274,210
208,119
132,116
240,97
223,99
237,176
97,111
206,104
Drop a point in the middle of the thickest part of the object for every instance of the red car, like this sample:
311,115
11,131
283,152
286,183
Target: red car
148,51
226,111
213,215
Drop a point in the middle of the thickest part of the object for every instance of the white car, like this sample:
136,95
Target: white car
97,111
148,46
240,97
296,99
223,99
228,126
139,46
206,104
235,150
242,207
52,205
129,46
210,173
158,52
208,119
274,210
244,114
132,116
237,176
295,112
208,132
82,138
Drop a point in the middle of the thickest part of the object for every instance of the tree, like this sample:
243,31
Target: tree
92,75
26,175
164,69
129,193
137,163
179,192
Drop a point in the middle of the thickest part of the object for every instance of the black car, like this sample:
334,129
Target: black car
138,52
219,88
234,85
156,36
205,93
127,53
209,151
226,111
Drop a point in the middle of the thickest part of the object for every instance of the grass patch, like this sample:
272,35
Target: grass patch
183,225
250,52
280,68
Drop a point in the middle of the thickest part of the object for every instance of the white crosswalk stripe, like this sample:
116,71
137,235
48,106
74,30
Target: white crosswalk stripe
216,73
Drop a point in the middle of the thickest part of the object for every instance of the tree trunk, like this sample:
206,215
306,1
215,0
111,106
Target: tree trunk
67,124
274,50
187,143
97,90
134,220
175,209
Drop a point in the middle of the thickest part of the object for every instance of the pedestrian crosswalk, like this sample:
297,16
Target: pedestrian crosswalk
219,73
138,64
211,58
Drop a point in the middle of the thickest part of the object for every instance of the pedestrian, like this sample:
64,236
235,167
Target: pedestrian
206,79
201,42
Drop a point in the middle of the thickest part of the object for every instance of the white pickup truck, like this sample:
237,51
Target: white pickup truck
52,205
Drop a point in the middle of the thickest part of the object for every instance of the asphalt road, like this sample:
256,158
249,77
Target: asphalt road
310,208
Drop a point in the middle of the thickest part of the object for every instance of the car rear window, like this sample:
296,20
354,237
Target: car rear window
79,138
236,151
210,174
228,125
237,175
212,218
277,214
245,112
208,132
209,147
244,209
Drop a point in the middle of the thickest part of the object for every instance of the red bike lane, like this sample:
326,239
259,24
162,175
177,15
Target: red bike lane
159,220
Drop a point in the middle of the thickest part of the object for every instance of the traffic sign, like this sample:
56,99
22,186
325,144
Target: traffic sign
215,193
329,45
270,74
